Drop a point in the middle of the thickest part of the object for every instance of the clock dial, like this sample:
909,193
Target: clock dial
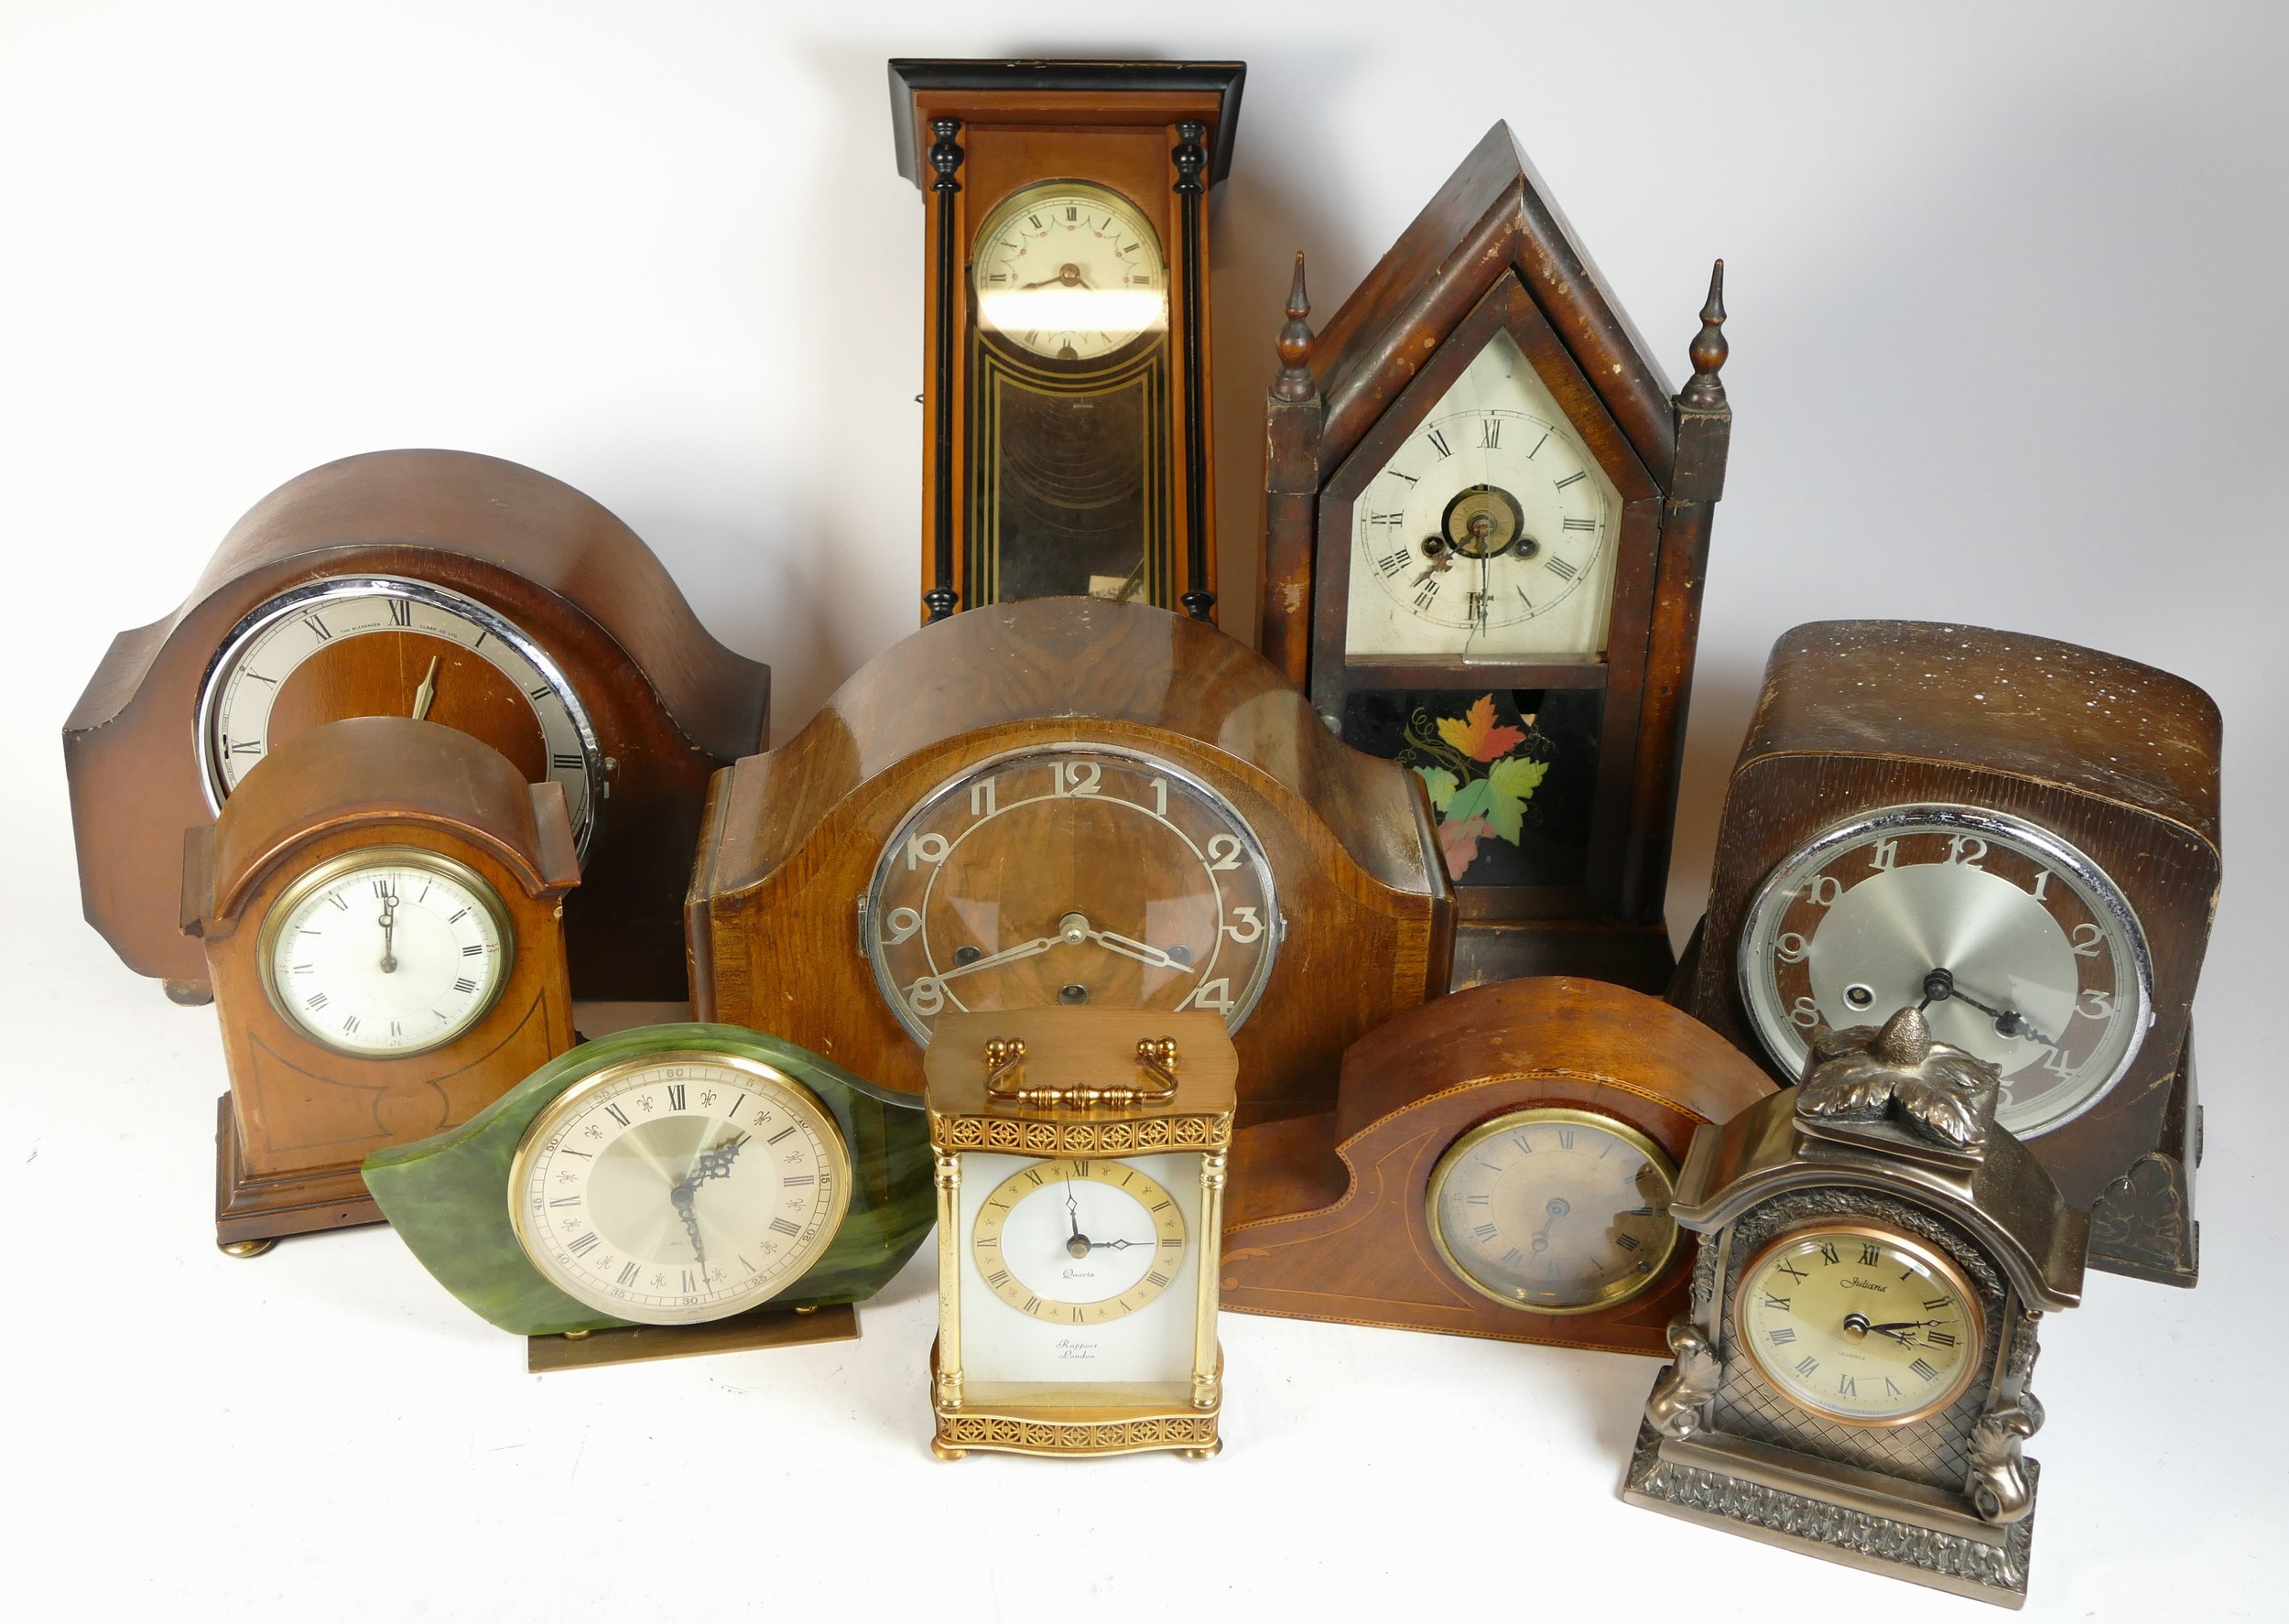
1552,1209
1068,272
2016,947
392,950
1072,877
1490,531
1859,1325
1077,1241
686,1187
373,645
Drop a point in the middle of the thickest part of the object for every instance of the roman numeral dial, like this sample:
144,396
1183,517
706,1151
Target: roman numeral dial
1070,273
1079,1241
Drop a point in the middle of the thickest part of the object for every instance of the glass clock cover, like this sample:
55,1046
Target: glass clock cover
1068,271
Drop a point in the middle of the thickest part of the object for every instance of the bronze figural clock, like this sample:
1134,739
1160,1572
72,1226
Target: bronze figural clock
1486,524
1065,322
457,588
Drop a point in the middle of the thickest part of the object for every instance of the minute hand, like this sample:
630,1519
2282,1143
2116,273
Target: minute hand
1022,950
1144,953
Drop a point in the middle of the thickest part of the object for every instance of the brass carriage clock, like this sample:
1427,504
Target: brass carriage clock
1876,1255
1067,323
1081,1184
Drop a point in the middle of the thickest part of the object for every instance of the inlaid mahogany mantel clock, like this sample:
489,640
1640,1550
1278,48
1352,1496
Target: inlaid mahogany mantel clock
1486,523
1066,323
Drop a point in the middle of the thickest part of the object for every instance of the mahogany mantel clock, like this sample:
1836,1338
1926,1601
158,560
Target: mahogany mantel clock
1066,320
1486,521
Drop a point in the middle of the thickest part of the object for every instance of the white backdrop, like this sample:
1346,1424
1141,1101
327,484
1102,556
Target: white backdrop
2008,348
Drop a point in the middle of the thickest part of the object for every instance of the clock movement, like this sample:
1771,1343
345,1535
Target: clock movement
2018,836
1499,1163
1066,317
1073,802
1080,1157
1876,1255
1486,524
458,588
382,910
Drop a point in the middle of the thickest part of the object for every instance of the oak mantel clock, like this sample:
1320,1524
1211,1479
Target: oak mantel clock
2021,837
1066,324
441,585
382,912
1486,523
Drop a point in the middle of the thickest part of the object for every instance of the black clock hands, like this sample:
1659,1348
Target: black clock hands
1116,1245
1078,1245
708,1164
1939,986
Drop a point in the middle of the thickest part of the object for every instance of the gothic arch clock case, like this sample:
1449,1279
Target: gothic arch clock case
1486,521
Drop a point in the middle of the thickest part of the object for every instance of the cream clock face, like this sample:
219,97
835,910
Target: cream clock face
678,1188
1069,272
1491,533
392,950
1860,1324
1553,1209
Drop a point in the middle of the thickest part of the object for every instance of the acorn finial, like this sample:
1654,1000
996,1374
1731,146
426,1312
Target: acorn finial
1708,351
1294,342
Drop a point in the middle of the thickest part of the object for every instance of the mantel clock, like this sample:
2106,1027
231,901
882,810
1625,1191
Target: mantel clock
381,912
1876,1256
1065,319
1080,1157
1486,523
2017,835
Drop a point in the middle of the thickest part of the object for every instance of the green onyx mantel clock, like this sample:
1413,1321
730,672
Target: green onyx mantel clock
1486,521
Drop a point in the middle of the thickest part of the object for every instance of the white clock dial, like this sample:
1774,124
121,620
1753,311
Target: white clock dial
1491,533
1069,272
392,950
680,1187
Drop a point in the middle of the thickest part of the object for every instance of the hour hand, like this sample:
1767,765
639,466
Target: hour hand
1143,952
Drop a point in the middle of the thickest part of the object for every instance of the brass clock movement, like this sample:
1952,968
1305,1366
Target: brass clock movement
2021,838
382,912
1487,521
1876,1255
1067,323
456,588
1080,1157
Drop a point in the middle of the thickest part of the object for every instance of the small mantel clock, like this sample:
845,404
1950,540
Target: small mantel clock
1876,1257
382,909
1065,319
1486,523
1081,1158
2019,836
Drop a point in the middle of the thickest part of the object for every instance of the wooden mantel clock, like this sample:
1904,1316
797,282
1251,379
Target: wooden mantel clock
381,911
436,584
1486,523
1067,327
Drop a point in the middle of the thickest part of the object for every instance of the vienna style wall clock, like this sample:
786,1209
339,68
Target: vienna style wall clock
2017,835
382,912
1066,324
1076,802
1499,1163
1486,523
433,584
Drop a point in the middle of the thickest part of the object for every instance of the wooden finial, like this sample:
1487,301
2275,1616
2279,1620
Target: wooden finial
1709,349
1294,342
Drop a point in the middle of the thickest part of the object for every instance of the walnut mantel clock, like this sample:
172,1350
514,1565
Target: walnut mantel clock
382,912
461,588
1066,324
1486,524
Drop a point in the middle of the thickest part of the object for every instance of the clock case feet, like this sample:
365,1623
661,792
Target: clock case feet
249,1209
1108,1429
744,1333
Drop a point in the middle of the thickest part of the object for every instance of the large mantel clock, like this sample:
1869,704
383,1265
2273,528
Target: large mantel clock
1486,523
1067,324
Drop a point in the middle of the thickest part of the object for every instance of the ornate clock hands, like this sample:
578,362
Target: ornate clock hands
1939,986
685,1195
1115,1245
389,922
1078,1245
426,695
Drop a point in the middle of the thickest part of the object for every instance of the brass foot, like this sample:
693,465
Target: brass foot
245,1248
943,1452
806,1308
1210,1453
582,1336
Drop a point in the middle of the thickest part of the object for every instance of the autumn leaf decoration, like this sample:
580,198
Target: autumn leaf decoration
1484,784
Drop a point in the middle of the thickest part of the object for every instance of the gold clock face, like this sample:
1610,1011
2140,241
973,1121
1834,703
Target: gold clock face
1068,271
1553,1209
1079,1241
1861,1324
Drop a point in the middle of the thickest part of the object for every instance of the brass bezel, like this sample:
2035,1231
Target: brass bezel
1935,1258
1028,196
769,1079
318,877
1612,1296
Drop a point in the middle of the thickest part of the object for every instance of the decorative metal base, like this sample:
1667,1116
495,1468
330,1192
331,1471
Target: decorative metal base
2142,1224
630,1345
1822,1511
1192,1433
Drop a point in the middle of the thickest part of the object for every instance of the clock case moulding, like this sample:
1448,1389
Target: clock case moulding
669,703
1491,253
299,1117
792,836
1328,1217
2118,758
